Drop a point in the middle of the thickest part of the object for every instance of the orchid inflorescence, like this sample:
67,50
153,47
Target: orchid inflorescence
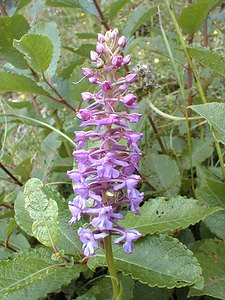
104,181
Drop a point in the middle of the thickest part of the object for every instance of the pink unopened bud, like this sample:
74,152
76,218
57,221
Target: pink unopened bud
101,38
129,100
117,61
122,88
87,96
100,48
131,78
94,56
122,42
126,59
106,86
114,34
93,80
84,114
87,72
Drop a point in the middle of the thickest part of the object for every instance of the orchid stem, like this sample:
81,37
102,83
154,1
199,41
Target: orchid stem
111,267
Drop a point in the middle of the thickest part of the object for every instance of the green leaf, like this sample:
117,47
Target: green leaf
88,6
163,215
194,15
21,4
210,190
43,210
38,51
162,173
137,18
31,275
115,8
12,28
62,3
216,224
214,114
211,256
208,58
144,292
66,72
10,82
200,150
157,261
50,31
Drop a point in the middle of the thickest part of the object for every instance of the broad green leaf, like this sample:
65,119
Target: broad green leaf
50,31
162,173
216,224
137,18
12,28
31,275
66,72
210,190
115,8
84,50
38,51
211,256
163,215
194,15
62,3
201,149
24,168
10,82
145,292
21,4
157,261
88,6
43,210
208,58
214,114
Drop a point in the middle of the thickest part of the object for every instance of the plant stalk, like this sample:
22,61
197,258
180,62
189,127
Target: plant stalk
111,267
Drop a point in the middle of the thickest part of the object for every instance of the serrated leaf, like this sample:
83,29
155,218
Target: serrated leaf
162,173
32,276
12,28
115,7
145,292
194,15
210,190
200,150
214,114
10,82
137,18
162,215
211,256
43,210
157,261
216,224
50,31
38,51
208,58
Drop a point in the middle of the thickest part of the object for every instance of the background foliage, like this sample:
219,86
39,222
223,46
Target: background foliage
177,48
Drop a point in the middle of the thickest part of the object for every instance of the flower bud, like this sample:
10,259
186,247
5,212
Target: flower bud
122,42
126,59
100,48
117,61
84,114
87,72
94,56
114,34
106,86
93,80
131,78
87,96
101,38
129,100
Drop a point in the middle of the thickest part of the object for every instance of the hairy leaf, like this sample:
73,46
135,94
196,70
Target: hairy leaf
38,51
163,215
31,275
12,28
137,18
210,59
211,256
194,15
43,210
10,82
216,224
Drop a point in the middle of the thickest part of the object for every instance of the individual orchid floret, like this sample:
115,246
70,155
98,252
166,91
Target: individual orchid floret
106,180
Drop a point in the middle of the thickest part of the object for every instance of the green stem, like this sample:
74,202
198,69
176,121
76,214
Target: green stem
111,267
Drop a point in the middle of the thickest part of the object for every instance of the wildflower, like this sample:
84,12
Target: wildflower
104,180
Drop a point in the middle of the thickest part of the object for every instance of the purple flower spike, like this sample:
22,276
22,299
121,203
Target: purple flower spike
104,180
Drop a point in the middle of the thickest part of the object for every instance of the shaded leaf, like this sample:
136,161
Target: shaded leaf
10,82
62,3
162,173
43,210
163,215
172,264
21,4
137,18
194,15
31,275
12,28
88,6
115,7
38,51
50,31
211,256
208,58
216,224
66,72
145,292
